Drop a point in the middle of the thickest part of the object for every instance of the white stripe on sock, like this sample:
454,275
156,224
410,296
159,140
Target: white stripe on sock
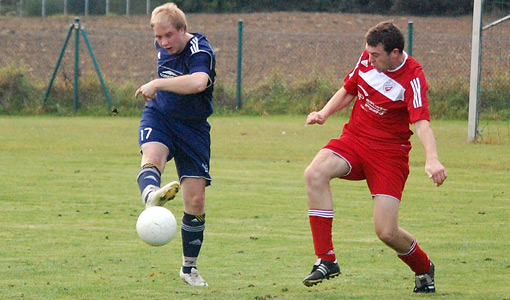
329,214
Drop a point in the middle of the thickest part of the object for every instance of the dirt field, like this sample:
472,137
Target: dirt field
295,44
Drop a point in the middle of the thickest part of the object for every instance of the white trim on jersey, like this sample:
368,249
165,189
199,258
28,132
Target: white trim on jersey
383,84
210,80
194,45
402,64
356,67
416,85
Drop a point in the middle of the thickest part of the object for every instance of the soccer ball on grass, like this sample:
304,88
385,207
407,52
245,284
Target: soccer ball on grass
156,226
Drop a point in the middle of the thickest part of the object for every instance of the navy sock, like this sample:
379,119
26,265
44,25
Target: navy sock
192,231
148,179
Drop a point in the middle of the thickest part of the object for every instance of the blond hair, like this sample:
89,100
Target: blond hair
168,14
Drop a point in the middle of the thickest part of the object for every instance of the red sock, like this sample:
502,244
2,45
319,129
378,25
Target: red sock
321,222
416,259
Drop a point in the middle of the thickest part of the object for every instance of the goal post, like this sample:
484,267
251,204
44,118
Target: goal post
474,82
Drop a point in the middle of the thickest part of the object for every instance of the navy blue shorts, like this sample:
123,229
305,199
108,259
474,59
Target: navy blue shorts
189,143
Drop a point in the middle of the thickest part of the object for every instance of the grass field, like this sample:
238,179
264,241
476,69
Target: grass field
70,202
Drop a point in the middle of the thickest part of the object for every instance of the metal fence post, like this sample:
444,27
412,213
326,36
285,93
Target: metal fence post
239,65
58,64
20,3
76,62
410,38
96,66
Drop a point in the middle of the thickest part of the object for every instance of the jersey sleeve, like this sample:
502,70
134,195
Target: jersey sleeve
416,98
201,62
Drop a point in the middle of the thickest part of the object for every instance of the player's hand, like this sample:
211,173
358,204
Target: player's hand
147,92
436,171
315,118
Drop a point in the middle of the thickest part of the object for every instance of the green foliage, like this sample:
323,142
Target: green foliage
495,100
448,99
34,7
225,98
16,92
91,97
276,96
432,7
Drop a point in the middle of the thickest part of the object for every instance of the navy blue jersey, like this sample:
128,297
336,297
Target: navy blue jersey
197,57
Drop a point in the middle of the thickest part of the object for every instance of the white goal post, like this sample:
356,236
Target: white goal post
474,82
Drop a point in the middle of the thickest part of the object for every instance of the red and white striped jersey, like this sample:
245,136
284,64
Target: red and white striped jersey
387,101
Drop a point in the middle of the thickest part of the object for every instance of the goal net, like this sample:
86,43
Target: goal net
489,103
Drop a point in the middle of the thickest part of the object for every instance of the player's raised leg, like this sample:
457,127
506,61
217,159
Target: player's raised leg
325,166
149,178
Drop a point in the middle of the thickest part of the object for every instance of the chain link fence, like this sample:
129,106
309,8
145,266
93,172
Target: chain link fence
124,51
494,66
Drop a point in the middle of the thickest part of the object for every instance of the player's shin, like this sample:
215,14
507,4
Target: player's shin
321,223
416,259
192,231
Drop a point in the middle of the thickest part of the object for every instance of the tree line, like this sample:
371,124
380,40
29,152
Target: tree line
101,7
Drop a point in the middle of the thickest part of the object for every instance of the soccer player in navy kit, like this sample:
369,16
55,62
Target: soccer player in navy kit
391,94
174,126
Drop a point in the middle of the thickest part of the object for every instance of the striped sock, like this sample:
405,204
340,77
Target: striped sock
149,179
321,223
416,259
192,231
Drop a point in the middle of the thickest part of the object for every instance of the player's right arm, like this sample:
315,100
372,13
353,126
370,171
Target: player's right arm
184,85
339,101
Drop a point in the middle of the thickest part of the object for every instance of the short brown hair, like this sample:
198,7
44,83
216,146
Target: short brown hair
387,34
168,14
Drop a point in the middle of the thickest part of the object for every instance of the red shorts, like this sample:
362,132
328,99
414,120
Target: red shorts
384,166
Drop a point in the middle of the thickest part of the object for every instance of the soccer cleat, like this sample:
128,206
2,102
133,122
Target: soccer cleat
321,270
193,278
425,282
163,195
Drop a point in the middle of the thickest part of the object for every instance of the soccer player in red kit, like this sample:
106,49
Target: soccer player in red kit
374,146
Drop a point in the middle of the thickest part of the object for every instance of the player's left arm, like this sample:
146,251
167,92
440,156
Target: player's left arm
433,167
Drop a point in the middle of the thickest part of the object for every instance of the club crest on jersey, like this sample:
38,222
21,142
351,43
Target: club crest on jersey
388,86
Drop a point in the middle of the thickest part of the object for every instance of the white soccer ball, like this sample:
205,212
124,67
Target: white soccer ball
156,226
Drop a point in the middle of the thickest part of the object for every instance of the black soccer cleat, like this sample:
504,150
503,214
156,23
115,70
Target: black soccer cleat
425,282
321,270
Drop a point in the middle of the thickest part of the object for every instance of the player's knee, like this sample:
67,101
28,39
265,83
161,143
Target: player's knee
386,235
313,176
156,161
195,204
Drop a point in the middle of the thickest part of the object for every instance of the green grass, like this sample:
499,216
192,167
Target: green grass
70,202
